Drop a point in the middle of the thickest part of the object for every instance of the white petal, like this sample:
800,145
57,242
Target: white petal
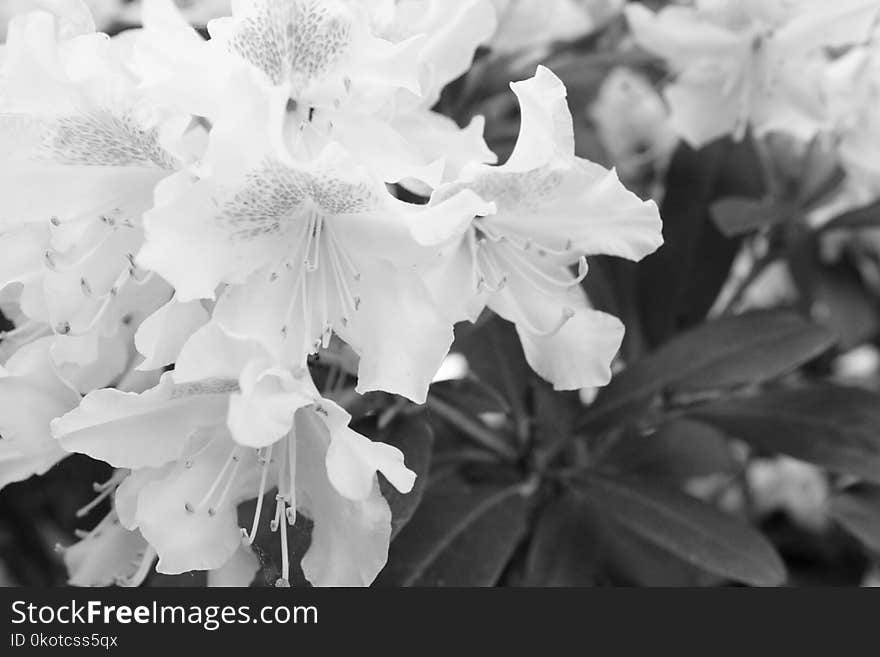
212,353
239,571
108,556
204,538
161,336
546,131
141,430
353,460
399,333
350,538
263,412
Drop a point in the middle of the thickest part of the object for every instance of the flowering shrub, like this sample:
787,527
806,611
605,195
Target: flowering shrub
324,302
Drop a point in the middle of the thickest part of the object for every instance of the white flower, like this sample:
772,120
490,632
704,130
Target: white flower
553,209
307,249
852,85
108,555
31,396
632,123
526,25
748,63
83,151
450,31
231,426
75,16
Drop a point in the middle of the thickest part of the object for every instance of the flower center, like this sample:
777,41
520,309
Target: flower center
498,254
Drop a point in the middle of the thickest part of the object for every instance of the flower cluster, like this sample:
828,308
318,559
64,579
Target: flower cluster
758,64
186,223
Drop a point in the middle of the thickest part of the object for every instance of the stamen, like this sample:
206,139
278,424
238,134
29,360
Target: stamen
104,490
284,580
233,457
219,503
264,460
495,234
523,262
145,563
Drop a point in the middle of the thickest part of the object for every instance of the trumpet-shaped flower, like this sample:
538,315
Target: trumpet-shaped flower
306,249
319,50
749,63
552,210
72,120
272,431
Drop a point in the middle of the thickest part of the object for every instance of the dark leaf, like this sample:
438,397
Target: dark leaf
679,450
867,216
566,545
631,560
494,355
834,293
857,509
735,216
733,351
835,427
463,534
680,282
692,530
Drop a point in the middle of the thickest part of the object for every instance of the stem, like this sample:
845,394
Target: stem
473,429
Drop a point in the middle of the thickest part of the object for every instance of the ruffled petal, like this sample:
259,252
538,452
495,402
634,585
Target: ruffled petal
399,334
350,538
579,355
565,342
212,353
353,460
162,335
546,131
150,429
262,413
186,525
109,555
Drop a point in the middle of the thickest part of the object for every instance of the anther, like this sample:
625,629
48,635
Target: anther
189,508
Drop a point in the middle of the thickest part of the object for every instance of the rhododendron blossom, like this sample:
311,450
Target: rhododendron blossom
216,243
551,210
745,63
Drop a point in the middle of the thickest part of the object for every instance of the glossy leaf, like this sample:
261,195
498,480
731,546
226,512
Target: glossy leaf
462,535
834,427
692,530
679,450
729,352
735,216
679,283
566,545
